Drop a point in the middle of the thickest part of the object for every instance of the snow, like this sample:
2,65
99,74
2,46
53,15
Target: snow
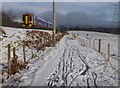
71,64
14,37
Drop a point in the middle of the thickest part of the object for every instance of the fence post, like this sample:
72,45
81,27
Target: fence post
40,41
9,62
108,53
94,44
57,38
32,53
86,43
83,43
14,56
15,67
99,46
89,44
24,52
44,41
13,52
48,38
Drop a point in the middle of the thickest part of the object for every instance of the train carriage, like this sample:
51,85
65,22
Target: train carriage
31,21
27,20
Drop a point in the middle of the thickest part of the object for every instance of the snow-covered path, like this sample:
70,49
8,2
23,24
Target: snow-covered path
70,64
64,57
67,64
42,74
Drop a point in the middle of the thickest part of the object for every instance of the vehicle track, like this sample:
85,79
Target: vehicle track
66,67
91,80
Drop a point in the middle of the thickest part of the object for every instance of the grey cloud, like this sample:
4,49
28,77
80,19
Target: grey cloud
67,14
72,18
77,18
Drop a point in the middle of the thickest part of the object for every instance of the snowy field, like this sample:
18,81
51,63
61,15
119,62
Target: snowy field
69,63
93,38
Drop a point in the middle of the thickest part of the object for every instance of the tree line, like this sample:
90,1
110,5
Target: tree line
8,19
96,29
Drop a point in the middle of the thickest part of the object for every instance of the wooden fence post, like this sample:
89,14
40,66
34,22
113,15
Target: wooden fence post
24,53
14,56
79,40
9,62
99,46
94,44
89,44
83,43
44,41
108,53
86,43
32,54
56,38
13,52
15,67
48,38
40,41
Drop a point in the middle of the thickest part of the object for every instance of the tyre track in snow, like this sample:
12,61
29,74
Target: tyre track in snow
85,65
66,66
61,65
93,78
94,75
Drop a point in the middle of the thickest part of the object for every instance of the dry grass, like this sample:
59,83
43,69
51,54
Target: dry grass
1,31
36,40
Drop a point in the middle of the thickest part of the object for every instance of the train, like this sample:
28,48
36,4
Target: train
31,21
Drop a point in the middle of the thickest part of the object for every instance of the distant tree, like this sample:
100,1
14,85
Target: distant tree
7,18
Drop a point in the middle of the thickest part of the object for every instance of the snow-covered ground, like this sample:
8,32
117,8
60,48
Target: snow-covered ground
93,38
15,37
71,64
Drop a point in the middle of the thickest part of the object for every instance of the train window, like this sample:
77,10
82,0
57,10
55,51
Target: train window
30,17
23,18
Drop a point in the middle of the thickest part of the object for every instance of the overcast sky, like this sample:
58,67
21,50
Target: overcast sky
68,13
60,0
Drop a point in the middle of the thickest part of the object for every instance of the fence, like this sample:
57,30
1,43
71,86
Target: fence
13,64
92,44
